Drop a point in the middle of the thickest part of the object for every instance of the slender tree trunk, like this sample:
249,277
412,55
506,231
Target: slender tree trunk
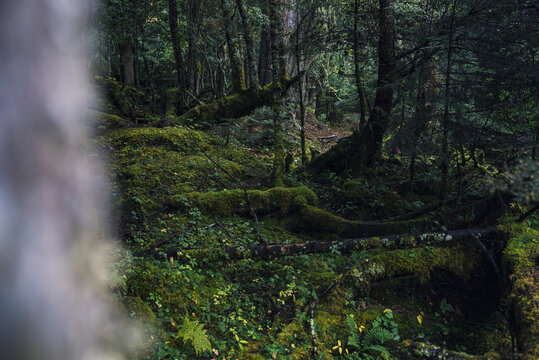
264,60
445,125
127,62
359,84
192,68
279,74
178,57
238,74
300,87
254,83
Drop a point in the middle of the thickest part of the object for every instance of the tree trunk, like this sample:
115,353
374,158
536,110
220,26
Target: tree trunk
360,150
445,125
264,60
254,84
178,57
238,74
233,106
279,74
192,68
359,84
127,62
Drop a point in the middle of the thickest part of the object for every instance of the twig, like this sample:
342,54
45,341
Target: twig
528,213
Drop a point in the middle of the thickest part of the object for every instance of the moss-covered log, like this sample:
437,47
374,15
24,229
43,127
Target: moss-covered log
232,106
229,202
312,220
312,247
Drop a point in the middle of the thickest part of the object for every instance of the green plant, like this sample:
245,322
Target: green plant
382,329
193,332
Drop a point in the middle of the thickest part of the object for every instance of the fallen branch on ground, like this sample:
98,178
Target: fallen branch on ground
279,250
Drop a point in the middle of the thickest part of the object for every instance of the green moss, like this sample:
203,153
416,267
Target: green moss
315,220
420,262
145,319
519,261
104,121
229,202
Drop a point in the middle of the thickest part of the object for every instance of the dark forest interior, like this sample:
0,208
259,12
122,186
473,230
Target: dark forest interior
298,179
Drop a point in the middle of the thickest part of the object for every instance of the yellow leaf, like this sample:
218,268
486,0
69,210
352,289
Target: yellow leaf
339,342
419,319
387,310
340,350
336,346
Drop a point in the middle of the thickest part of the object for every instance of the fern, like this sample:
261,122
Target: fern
382,350
375,336
353,339
193,332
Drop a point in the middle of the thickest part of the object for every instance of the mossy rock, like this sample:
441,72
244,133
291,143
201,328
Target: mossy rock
228,202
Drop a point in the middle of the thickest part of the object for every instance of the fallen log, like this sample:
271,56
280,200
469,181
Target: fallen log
313,247
232,106
313,220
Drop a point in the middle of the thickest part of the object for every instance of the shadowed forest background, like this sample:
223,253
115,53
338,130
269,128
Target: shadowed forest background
296,179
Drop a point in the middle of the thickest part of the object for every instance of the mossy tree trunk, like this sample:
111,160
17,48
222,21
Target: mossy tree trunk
362,148
264,59
238,74
235,105
249,46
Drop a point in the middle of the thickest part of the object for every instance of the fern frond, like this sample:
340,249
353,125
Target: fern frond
353,339
193,332
382,350
375,336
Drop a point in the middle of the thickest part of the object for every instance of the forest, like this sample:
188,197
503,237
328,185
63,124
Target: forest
321,179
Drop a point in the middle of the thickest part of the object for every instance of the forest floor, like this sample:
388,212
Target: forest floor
183,198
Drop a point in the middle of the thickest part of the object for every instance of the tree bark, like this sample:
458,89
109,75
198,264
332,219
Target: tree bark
445,125
254,84
178,57
360,150
359,83
233,106
127,62
238,74
279,75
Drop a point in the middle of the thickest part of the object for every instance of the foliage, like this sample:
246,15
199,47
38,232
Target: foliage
194,333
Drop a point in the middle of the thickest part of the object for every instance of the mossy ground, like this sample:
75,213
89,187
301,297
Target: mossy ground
171,185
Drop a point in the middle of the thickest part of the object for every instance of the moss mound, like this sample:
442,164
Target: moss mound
229,202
